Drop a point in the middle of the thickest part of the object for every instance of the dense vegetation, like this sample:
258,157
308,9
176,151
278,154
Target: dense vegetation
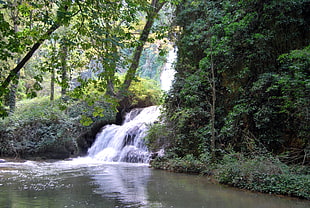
44,129
76,44
238,109
241,92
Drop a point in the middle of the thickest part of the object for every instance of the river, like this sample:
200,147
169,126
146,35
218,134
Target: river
84,182
105,179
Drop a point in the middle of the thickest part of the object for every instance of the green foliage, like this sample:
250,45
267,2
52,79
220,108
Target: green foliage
188,114
187,164
37,108
284,96
41,128
158,137
264,174
91,31
144,92
151,62
260,54
37,127
90,104
259,51
293,81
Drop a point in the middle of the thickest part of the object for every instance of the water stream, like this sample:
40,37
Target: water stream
105,178
167,75
85,182
125,143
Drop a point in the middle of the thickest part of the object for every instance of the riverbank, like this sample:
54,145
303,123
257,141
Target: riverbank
41,129
244,174
263,174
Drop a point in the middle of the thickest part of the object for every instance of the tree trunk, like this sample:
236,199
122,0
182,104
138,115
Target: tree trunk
52,94
12,94
14,85
137,54
14,72
64,75
156,6
110,91
212,111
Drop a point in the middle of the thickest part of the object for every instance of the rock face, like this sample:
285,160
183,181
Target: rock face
56,150
87,138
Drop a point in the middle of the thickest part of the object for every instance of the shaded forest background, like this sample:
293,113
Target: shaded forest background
239,106
249,61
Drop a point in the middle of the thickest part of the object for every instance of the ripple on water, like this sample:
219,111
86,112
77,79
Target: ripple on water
91,184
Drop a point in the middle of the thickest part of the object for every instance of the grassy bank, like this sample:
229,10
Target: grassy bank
42,129
264,174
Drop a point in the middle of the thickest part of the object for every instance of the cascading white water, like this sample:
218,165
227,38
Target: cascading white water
167,75
125,143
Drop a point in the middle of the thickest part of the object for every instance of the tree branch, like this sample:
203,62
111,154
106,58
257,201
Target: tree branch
26,58
156,7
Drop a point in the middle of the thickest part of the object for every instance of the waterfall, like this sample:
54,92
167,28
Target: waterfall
167,75
124,143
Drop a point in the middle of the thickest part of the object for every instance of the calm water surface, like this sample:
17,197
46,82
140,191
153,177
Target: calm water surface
85,183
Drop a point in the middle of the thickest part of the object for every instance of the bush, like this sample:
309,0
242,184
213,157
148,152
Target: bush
264,174
158,137
187,164
144,92
39,128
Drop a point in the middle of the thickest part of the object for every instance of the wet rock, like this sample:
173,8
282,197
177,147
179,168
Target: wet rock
86,139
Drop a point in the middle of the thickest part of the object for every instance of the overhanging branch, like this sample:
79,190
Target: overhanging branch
26,58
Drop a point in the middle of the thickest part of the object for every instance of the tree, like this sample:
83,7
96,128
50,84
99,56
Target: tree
251,111
64,74
152,12
36,35
212,104
49,17
14,16
101,30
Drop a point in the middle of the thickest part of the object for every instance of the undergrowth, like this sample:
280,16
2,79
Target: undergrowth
43,128
262,173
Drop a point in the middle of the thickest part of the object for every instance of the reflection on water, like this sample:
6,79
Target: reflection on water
86,183
126,182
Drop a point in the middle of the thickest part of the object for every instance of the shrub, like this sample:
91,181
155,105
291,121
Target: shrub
264,174
187,164
144,92
158,137
37,128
